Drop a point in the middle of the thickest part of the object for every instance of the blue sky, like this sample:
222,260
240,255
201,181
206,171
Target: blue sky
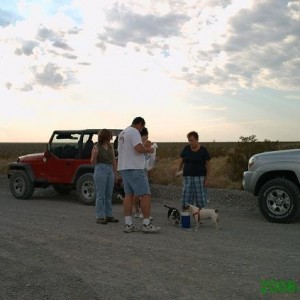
223,68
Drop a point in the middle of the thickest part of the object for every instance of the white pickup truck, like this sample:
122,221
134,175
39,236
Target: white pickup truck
275,178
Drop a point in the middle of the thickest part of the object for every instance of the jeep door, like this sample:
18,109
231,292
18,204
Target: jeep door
62,158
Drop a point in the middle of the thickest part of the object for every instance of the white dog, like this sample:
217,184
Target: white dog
202,214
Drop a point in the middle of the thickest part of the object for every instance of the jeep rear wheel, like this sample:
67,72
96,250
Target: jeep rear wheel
20,185
85,189
279,201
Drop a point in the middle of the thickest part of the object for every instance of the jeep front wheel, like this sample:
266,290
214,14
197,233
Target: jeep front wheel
20,185
85,189
279,201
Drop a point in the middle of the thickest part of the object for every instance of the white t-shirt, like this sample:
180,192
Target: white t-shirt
128,158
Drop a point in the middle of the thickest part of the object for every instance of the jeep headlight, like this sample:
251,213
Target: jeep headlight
251,162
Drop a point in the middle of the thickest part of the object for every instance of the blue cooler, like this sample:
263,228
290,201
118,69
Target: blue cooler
185,219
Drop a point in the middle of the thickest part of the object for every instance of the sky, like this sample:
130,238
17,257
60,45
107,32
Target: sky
224,68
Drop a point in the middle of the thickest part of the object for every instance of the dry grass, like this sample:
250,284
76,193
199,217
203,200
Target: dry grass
3,165
9,152
165,168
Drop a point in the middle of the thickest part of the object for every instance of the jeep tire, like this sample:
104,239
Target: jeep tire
20,185
85,189
279,201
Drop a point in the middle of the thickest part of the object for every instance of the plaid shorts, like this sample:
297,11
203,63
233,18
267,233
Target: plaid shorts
194,191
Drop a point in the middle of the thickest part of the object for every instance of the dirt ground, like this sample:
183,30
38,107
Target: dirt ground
52,248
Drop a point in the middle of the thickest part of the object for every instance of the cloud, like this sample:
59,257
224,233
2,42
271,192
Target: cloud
219,46
84,64
8,85
26,88
57,38
44,34
46,45
69,56
125,26
210,108
52,76
294,9
61,44
292,97
260,48
26,48
74,30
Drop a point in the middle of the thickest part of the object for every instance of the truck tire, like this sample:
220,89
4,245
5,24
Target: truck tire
20,185
279,201
62,189
85,189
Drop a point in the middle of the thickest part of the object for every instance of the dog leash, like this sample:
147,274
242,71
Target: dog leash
163,203
197,213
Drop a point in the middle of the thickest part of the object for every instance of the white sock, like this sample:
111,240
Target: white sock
128,220
146,221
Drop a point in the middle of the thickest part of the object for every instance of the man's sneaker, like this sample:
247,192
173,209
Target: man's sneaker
150,228
130,228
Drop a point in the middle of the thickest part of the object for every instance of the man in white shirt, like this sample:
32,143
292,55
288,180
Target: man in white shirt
131,164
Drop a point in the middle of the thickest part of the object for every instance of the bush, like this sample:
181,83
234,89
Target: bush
245,148
216,150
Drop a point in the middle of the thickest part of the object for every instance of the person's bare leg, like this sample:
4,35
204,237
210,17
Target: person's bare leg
146,209
146,205
136,204
127,205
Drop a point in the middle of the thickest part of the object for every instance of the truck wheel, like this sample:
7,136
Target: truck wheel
85,189
62,189
279,201
20,185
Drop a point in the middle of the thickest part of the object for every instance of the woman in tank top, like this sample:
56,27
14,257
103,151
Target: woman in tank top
105,174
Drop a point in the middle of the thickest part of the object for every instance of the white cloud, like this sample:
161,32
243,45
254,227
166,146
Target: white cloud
176,61
210,107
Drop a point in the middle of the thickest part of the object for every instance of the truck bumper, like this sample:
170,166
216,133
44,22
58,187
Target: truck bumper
247,178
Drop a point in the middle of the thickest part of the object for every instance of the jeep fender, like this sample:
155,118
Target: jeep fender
20,166
82,170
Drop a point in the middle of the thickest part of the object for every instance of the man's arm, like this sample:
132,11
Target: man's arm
141,149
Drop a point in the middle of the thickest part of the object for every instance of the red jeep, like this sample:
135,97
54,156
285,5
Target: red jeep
65,165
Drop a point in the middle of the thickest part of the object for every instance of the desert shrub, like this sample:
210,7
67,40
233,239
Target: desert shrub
165,169
289,145
216,150
219,175
164,172
229,159
245,148
169,150
173,150
9,152
14,150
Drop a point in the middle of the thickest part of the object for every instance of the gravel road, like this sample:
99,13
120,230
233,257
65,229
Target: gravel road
52,248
